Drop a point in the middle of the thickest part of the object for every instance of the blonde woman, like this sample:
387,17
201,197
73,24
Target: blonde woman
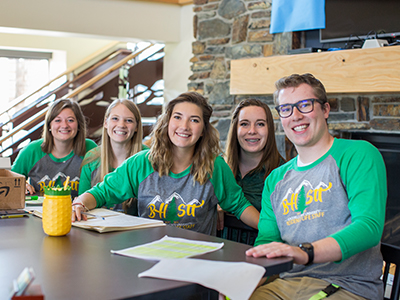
121,138
181,179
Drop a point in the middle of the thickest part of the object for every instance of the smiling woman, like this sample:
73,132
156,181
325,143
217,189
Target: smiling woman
251,150
121,138
182,178
59,154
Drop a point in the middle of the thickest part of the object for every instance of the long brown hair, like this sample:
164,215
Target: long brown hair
271,158
79,142
206,149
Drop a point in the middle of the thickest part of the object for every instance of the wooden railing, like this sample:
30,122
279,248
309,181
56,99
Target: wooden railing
70,70
40,115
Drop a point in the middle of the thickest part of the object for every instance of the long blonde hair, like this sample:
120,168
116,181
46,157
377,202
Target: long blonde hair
206,149
106,153
270,159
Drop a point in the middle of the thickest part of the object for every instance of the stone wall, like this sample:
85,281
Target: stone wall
371,113
226,30
236,29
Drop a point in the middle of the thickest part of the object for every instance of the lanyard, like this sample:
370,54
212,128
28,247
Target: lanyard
326,292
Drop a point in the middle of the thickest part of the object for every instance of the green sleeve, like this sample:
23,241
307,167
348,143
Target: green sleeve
90,144
123,182
228,192
144,147
364,175
87,169
28,157
268,230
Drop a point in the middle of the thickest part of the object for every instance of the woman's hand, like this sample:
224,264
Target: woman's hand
30,190
77,209
81,204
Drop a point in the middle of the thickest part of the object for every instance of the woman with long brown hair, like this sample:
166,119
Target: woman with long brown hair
182,178
252,154
251,150
60,151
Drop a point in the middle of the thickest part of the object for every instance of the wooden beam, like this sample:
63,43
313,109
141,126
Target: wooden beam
373,70
179,2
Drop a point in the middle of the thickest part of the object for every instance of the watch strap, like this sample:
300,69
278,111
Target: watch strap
309,249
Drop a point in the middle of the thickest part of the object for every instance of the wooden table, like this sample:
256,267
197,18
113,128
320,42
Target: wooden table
81,266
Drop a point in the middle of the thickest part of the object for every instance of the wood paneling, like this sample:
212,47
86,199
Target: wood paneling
345,71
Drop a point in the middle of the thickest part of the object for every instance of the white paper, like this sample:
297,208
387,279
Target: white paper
236,280
113,221
170,248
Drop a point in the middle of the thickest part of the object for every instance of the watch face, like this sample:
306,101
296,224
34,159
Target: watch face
306,246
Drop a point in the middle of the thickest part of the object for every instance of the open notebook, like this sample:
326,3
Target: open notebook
107,220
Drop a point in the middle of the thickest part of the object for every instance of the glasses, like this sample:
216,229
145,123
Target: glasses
304,106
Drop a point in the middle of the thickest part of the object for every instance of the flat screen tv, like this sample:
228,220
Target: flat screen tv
350,20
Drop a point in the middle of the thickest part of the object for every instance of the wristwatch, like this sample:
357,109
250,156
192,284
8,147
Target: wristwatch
309,249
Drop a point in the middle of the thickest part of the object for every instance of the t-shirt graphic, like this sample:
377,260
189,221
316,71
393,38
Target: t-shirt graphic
58,180
173,209
300,201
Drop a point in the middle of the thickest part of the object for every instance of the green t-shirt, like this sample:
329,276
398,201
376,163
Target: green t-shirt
44,169
176,199
90,170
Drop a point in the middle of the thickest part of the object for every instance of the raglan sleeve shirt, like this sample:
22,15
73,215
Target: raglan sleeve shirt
124,182
268,230
363,175
85,181
28,157
228,192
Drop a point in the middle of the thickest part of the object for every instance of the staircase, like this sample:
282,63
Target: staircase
94,83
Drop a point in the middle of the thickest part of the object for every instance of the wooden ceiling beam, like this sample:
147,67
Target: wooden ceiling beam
178,2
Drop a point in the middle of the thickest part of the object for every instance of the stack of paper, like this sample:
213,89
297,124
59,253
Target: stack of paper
170,248
107,220
115,221
236,280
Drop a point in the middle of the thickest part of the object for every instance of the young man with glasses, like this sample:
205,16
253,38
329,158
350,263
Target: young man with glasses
325,208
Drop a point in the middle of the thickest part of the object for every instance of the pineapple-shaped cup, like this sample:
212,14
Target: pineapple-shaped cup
57,210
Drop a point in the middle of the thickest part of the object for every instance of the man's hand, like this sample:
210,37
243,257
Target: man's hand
325,250
275,249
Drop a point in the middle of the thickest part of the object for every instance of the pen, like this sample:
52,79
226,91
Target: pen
31,198
92,215
12,216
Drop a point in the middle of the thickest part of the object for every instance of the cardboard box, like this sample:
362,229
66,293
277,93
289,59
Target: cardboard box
12,190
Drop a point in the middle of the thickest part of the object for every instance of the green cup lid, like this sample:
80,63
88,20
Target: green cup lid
57,191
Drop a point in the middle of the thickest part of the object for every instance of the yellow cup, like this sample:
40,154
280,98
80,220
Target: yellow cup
57,209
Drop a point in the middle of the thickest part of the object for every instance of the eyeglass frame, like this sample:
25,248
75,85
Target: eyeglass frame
278,107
